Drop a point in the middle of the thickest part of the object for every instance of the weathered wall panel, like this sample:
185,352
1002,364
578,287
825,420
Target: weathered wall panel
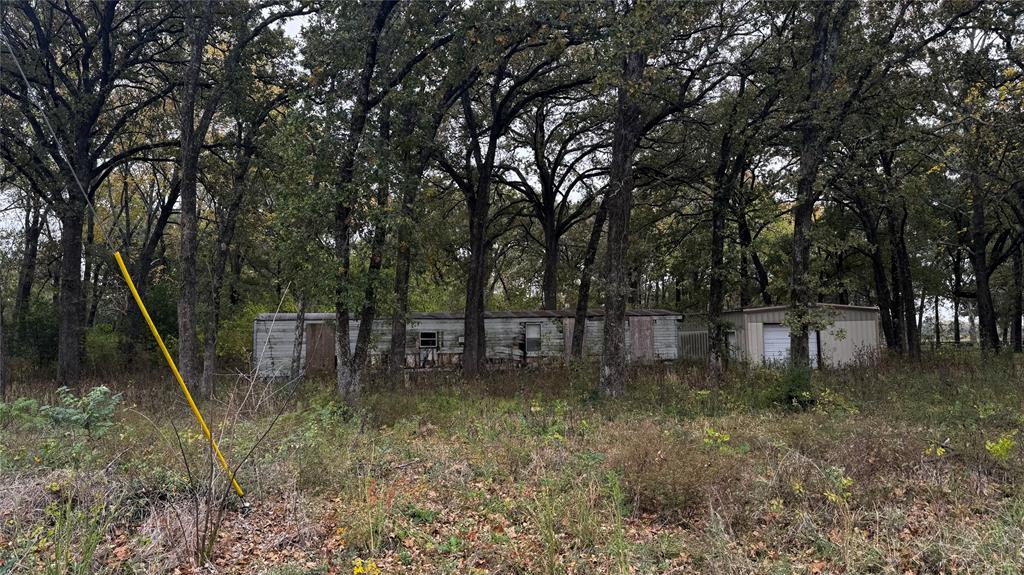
274,339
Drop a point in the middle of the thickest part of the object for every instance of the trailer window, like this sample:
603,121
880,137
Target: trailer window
428,339
532,337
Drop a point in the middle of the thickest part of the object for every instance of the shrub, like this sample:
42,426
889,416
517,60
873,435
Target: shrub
92,412
22,413
673,475
793,389
1001,448
102,347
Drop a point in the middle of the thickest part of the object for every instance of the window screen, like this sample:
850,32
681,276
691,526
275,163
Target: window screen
428,339
532,337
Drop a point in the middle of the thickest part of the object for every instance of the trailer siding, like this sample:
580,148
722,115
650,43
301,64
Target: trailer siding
274,338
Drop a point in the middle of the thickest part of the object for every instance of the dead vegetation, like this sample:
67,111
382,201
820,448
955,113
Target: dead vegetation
903,469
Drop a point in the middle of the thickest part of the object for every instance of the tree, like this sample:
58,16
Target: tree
647,95
199,99
74,77
556,183
524,51
386,56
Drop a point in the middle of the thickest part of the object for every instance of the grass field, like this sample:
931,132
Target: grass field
899,468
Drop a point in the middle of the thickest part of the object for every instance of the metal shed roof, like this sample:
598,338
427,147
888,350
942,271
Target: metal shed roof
829,305
458,315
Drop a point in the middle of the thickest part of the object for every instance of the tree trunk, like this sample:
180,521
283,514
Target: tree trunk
71,298
579,326
902,278
226,235
414,162
957,288
27,269
197,26
814,137
1017,300
619,203
342,254
99,279
403,265
972,323
361,356
987,324
3,355
882,293
721,199
550,279
142,265
938,324
300,338
760,272
474,353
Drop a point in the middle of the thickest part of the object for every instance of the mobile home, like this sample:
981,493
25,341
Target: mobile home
436,339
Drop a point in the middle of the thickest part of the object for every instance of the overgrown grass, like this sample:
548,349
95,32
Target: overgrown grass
893,468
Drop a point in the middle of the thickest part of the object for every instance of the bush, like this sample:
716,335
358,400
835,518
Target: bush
102,347
23,412
793,389
673,475
92,412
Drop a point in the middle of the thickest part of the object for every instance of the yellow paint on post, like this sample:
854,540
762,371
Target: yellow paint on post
177,374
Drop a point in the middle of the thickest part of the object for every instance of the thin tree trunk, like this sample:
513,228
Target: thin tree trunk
342,254
1017,300
579,326
619,204
403,265
882,294
197,26
987,323
361,357
27,269
760,272
3,354
958,284
225,238
938,324
89,285
972,323
300,333
144,263
99,279
343,206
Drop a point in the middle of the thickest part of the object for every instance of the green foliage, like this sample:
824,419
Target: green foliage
103,347
70,545
36,336
1001,448
23,412
92,412
792,390
234,337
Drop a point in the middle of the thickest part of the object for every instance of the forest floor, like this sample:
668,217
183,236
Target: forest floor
899,468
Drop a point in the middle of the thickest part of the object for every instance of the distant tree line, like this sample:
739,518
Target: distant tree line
398,156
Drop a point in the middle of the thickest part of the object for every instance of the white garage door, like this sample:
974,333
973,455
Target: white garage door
776,344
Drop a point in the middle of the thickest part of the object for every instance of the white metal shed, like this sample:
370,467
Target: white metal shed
760,335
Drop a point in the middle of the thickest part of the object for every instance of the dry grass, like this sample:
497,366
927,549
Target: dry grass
888,472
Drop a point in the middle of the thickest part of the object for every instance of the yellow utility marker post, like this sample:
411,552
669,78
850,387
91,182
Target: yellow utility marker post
177,374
